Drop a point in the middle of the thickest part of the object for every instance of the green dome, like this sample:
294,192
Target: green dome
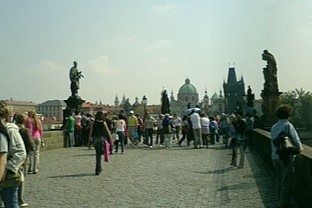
187,88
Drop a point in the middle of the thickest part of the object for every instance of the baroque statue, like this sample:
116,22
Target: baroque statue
250,97
75,76
270,72
165,105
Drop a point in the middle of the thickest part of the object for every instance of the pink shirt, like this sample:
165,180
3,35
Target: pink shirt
35,133
78,119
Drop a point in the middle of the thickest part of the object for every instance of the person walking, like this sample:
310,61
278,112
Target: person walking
213,128
99,133
132,126
20,121
120,127
78,129
166,123
139,128
177,122
70,131
12,157
148,129
185,129
195,119
35,127
204,122
240,138
224,129
160,131
283,167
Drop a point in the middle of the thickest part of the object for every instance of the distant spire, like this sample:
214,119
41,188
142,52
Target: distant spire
116,102
232,79
242,79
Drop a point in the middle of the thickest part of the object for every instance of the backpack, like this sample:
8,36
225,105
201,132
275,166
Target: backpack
12,179
212,126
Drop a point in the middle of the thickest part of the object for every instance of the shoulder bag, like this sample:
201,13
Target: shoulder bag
285,146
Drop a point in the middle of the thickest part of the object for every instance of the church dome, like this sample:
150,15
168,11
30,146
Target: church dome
187,88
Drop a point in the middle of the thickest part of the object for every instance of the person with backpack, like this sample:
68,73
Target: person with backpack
12,156
213,127
239,125
224,128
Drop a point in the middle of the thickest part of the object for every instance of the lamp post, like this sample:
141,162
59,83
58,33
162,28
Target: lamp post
144,102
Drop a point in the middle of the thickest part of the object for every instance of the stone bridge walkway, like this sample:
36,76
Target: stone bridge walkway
144,177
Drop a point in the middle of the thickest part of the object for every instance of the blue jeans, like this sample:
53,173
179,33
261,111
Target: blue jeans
98,146
10,197
149,137
70,139
283,179
121,136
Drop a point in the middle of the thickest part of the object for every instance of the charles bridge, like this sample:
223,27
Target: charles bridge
144,177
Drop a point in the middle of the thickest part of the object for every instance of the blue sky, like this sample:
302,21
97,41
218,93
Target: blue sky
139,47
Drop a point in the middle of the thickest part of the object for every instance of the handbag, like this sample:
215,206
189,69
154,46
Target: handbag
12,179
284,144
106,151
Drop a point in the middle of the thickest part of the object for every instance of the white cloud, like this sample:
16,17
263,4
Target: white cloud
101,65
306,29
160,44
125,38
46,66
164,9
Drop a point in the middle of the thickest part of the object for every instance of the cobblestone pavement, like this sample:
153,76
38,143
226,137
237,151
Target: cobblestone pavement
145,177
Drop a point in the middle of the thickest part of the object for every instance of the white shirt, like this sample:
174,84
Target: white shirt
177,121
195,119
120,125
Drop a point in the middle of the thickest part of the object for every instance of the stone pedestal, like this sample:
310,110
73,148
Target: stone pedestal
73,104
270,103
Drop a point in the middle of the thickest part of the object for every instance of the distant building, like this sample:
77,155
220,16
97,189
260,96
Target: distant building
19,106
52,109
92,108
187,95
217,104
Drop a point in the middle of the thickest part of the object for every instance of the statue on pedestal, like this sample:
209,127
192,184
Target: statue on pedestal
270,72
270,93
75,76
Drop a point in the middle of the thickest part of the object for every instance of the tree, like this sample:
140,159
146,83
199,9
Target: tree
301,102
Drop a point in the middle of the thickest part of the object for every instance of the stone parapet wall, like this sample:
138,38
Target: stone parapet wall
53,140
302,183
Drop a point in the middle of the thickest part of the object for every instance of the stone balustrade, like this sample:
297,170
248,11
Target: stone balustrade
302,183
53,140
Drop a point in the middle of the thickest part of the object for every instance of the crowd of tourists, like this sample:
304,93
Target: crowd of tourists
20,142
21,139
197,129
194,129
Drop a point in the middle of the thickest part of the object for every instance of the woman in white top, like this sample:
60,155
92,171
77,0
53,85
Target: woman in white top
120,126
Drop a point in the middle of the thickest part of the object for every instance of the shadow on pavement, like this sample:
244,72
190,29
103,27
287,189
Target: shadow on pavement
72,175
